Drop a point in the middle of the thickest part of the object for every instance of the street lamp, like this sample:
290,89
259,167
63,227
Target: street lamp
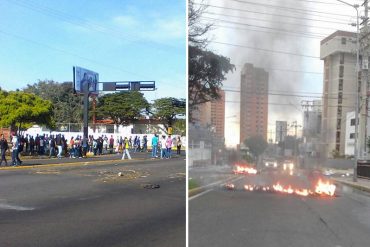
356,6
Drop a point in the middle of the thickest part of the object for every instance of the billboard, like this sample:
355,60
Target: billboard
82,76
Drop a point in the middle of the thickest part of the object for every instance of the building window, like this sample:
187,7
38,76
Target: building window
339,124
344,40
340,98
341,70
353,121
339,111
337,147
359,86
352,136
341,58
340,85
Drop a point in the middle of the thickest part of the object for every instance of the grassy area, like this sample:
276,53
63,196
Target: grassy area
193,184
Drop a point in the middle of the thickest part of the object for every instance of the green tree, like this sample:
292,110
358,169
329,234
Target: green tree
256,145
123,107
197,28
179,127
21,110
168,109
66,105
207,71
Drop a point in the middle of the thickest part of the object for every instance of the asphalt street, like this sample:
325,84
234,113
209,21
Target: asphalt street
42,160
91,205
220,217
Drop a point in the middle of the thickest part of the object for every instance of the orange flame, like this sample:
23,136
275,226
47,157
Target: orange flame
325,188
248,187
230,186
289,190
245,169
302,192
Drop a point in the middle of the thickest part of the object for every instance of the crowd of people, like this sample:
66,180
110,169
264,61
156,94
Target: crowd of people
58,146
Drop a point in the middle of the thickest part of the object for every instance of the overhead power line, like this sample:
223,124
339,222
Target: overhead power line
280,94
313,1
335,21
288,8
288,70
265,50
281,104
264,27
271,32
68,53
78,21
275,23
236,89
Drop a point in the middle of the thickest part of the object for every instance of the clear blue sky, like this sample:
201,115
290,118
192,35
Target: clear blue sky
121,40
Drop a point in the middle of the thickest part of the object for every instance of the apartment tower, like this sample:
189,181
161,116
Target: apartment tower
253,102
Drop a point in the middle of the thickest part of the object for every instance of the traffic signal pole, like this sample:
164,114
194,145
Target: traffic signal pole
85,114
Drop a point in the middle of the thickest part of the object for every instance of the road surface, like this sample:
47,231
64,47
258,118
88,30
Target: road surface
90,205
221,217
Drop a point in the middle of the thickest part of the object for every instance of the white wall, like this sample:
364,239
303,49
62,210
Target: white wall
124,131
349,143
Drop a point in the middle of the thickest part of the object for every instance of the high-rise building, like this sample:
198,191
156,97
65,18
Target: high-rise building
339,87
253,102
218,115
212,115
281,131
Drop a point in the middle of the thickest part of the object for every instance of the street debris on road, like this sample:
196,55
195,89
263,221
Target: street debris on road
151,186
119,175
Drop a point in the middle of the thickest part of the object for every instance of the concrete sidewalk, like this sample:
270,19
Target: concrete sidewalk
361,184
68,161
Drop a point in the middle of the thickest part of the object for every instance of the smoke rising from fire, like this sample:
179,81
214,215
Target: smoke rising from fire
271,39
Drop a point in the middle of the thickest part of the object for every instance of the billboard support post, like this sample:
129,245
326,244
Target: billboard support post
86,114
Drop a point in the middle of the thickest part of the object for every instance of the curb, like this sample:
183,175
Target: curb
195,191
200,189
81,163
358,187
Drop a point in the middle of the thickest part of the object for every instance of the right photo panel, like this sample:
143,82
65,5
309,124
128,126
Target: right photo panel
278,124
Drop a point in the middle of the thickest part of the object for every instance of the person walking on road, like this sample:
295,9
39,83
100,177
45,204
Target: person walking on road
178,145
52,146
32,145
130,142
163,147
154,146
15,151
3,148
145,144
169,146
126,147
72,153
111,144
120,144
58,142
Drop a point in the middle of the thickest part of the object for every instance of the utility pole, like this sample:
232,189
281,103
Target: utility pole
306,105
295,126
364,86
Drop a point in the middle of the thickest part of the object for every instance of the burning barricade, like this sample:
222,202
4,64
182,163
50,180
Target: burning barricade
320,189
244,169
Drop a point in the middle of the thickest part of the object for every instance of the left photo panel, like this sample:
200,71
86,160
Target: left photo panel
93,123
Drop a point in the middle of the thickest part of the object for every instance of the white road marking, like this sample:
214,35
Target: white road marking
200,194
14,207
